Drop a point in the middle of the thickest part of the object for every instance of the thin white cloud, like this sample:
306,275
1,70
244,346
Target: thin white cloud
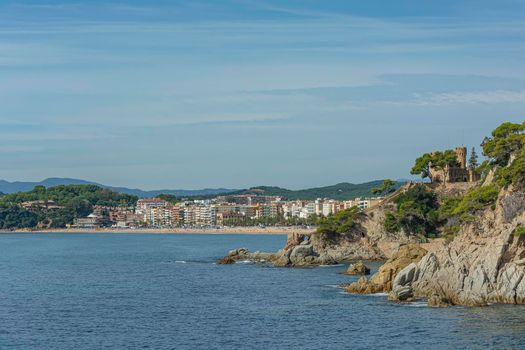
474,97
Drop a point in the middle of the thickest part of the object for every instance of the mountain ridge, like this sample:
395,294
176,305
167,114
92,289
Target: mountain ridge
23,186
340,191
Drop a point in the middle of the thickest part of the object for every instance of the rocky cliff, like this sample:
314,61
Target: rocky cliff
367,240
484,264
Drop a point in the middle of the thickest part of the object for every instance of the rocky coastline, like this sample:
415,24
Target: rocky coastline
483,264
479,258
367,241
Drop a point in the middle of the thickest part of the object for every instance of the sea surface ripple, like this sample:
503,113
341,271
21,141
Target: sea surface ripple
163,291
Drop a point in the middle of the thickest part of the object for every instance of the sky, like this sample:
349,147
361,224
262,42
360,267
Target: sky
238,93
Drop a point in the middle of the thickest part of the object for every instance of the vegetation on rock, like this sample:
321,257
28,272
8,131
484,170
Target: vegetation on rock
419,210
475,200
519,231
341,222
387,187
434,161
416,212
506,152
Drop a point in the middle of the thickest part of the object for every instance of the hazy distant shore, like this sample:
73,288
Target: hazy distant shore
224,230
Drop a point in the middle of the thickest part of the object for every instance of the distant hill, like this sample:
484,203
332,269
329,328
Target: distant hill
341,191
18,186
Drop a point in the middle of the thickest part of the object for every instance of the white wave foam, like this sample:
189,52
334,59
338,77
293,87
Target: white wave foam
245,262
180,262
377,295
417,304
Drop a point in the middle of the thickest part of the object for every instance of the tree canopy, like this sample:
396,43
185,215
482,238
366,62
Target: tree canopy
168,198
473,160
74,201
507,139
434,161
422,166
507,143
62,194
388,186
416,212
340,222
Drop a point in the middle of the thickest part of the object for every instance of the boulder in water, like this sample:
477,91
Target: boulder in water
359,268
382,280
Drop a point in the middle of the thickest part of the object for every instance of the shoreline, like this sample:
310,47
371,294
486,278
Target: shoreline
218,231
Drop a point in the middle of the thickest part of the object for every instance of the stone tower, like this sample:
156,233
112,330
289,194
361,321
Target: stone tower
461,153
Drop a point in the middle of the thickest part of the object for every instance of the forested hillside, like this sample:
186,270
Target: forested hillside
71,201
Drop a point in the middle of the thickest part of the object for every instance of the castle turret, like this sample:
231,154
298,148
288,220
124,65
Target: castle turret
461,153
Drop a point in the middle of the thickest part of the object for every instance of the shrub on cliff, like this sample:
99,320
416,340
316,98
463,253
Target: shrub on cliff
416,212
341,222
519,231
455,210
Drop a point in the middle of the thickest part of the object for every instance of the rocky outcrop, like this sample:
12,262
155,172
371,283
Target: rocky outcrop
367,240
227,260
359,268
382,280
484,264
243,254
401,287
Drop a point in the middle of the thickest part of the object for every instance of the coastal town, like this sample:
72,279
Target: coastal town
87,207
226,210
248,209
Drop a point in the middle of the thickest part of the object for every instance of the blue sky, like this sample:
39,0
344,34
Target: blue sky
235,93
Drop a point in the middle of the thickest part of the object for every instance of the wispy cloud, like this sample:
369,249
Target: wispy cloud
138,81
474,97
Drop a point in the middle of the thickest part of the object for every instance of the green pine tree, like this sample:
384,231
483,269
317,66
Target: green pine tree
473,160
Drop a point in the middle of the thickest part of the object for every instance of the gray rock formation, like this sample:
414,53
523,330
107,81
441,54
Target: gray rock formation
243,254
384,279
484,264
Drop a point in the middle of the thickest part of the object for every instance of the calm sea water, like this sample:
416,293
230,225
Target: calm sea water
95,291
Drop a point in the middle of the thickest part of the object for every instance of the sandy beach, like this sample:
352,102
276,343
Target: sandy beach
223,230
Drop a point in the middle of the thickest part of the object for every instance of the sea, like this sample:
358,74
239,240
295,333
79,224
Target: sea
164,291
